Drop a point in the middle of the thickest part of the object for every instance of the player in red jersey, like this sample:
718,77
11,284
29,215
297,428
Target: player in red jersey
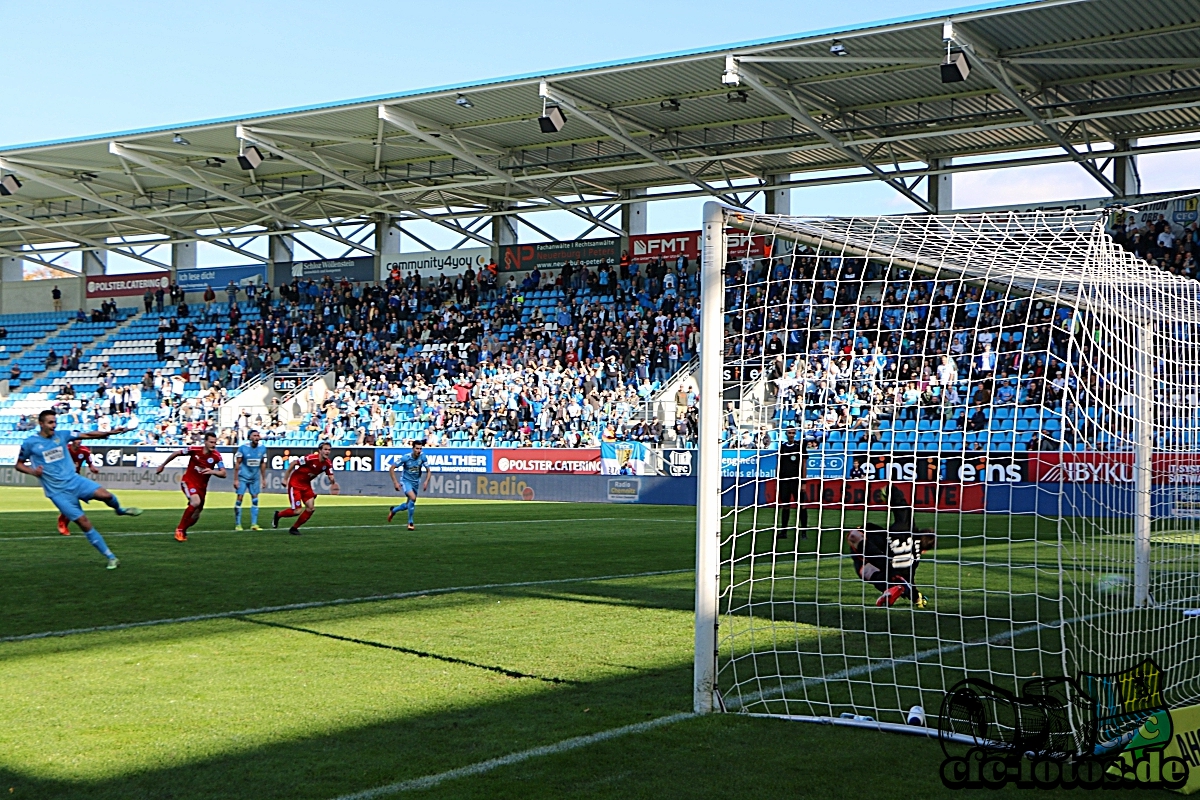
80,455
299,478
203,463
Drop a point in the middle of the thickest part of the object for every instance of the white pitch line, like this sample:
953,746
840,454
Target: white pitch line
478,768
920,655
60,537
375,598
481,767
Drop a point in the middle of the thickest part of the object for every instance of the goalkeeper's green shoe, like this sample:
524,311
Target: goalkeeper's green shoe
921,601
238,527
132,511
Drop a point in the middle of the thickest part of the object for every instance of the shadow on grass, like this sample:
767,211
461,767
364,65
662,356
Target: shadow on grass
328,766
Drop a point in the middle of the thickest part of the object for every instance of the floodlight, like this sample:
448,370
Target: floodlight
552,119
250,157
955,68
669,105
464,101
837,49
739,96
178,139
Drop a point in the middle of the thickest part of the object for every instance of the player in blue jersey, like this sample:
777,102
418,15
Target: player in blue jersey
50,462
249,472
411,465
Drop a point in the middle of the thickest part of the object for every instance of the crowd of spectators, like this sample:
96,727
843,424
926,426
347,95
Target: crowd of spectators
472,362
466,356
1157,242
846,343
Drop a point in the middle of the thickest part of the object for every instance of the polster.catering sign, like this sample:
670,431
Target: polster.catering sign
127,285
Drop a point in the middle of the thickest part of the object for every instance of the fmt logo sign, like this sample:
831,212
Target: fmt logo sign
647,247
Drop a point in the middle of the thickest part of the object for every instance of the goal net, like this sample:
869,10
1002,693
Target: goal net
941,448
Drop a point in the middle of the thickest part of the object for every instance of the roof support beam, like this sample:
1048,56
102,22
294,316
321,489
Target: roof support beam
613,130
27,172
786,104
96,244
982,62
249,134
129,154
405,123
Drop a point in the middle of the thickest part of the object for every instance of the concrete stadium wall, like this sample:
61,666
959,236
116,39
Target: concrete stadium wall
29,297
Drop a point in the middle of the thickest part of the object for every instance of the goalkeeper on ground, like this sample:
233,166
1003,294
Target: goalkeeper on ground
887,558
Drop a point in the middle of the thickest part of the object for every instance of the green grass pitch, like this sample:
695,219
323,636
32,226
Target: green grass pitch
328,700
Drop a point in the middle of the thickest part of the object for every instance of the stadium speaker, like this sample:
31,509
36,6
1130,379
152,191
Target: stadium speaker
9,185
552,120
955,68
250,157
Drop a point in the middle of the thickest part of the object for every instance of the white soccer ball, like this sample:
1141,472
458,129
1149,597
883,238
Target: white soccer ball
916,716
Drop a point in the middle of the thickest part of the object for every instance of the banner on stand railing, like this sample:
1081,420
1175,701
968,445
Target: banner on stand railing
197,280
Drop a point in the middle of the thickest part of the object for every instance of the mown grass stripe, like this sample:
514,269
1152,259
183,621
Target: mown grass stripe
374,598
478,768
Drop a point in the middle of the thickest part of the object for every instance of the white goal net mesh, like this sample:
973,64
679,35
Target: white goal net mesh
952,447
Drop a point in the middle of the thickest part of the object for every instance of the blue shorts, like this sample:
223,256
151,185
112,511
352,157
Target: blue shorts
251,485
66,499
409,486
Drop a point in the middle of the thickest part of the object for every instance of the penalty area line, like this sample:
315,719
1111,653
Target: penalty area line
374,598
478,768
268,529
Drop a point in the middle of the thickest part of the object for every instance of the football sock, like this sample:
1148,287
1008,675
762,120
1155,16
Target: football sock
412,506
113,503
253,510
305,516
191,516
237,511
399,508
97,541
287,512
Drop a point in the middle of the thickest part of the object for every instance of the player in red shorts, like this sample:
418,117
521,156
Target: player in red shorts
203,463
80,455
299,478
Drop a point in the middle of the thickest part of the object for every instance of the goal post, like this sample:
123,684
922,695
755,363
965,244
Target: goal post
708,486
998,419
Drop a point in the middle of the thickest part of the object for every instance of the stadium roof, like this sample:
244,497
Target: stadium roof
1084,78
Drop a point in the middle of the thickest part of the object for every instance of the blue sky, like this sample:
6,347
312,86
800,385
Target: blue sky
77,68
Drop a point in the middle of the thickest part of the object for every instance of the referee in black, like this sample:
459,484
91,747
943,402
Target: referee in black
789,473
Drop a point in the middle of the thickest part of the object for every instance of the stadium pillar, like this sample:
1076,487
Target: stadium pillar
280,252
1125,172
504,231
12,269
387,241
777,201
95,262
941,188
633,216
183,256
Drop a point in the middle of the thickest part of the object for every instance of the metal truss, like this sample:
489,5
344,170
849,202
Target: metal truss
418,128
792,108
333,172
614,128
246,133
983,59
